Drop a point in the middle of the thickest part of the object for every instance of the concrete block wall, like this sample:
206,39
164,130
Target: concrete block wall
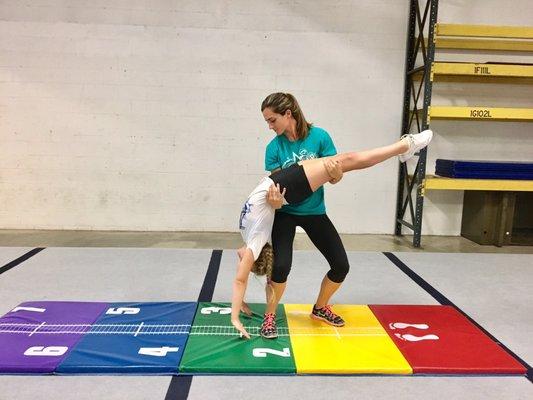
145,115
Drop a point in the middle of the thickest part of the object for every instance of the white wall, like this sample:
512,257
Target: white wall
145,115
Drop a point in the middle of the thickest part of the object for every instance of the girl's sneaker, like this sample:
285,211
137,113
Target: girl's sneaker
325,314
269,330
416,142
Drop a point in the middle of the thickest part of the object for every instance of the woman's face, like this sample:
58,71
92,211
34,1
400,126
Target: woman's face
279,123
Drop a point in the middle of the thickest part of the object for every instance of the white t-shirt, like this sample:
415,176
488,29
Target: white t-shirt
257,218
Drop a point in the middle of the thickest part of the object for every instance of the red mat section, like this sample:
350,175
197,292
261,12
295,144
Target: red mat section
439,340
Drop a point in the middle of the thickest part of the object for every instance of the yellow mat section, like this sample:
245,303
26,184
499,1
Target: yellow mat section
361,346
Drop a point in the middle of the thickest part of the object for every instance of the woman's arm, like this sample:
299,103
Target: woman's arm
244,307
239,288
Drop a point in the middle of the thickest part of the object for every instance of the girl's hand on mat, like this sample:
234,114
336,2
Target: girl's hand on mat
238,325
334,170
246,309
275,196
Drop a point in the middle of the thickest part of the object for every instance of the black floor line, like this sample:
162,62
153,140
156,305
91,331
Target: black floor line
445,301
180,385
21,259
208,287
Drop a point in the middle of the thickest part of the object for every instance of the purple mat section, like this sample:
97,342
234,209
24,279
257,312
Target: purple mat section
36,336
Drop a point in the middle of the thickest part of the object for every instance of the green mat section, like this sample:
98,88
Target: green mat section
214,345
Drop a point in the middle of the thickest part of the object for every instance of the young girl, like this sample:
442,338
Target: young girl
295,184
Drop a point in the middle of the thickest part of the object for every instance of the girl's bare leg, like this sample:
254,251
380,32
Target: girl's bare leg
316,171
276,292
368,158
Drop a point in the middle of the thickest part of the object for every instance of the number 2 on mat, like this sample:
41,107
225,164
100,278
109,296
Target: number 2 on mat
262,352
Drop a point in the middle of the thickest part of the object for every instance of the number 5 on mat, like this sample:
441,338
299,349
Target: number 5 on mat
123,310
50,351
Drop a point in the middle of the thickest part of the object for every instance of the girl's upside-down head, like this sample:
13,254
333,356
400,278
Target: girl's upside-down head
264,263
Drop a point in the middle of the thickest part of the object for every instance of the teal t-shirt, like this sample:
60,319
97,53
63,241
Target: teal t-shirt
282,153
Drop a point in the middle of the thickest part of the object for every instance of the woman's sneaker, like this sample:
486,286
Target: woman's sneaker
269,330
416,142
325,314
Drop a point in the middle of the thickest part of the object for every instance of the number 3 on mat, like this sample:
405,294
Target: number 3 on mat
262,352
220,310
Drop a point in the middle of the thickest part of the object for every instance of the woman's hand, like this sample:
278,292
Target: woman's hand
334,170
238,325
275,196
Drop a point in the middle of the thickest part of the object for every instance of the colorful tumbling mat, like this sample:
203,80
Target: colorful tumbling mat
47,337
484,169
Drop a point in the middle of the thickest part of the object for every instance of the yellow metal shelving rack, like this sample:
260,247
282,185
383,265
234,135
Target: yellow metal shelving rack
464,37
440,183
483,37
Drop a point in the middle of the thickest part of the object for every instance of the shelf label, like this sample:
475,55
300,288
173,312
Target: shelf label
480,114
478,70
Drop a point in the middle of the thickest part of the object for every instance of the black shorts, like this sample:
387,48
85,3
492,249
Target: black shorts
294,180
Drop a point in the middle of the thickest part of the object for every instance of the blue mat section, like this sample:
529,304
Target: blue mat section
143,338
484,169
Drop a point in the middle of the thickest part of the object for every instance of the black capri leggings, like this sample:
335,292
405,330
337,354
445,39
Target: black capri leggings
322,233
294,180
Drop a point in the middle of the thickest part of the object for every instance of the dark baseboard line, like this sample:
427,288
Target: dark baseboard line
21,259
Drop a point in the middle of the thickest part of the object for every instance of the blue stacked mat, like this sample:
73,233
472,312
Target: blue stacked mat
484,169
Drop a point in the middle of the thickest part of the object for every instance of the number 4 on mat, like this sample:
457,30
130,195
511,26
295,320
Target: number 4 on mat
262,352
157,351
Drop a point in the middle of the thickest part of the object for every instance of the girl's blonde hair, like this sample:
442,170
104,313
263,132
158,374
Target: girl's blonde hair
264,263
280,103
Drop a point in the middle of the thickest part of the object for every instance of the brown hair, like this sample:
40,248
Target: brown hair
280,103
265,261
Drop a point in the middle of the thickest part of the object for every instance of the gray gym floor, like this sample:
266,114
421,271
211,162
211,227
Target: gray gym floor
492,286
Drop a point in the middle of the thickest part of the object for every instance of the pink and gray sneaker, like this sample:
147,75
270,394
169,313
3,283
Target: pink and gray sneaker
327,315
269,330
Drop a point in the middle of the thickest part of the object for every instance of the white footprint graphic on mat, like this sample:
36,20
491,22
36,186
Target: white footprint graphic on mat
403,325
413,338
